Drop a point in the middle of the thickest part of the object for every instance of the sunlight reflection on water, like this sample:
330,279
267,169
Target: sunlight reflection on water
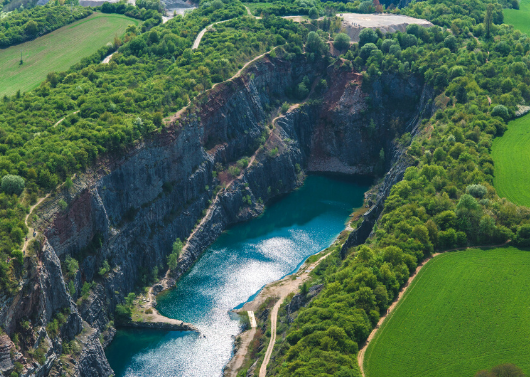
233,269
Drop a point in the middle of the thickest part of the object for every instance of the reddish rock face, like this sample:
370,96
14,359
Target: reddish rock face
78,216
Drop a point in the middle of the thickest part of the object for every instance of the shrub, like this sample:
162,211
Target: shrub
368,35
478,191
12,184
71,266
104,269
504,370
123,313
18,256
234,171
172,259
522,238
500,111
342,41
149,311
243,163
367,49
62,205
302,91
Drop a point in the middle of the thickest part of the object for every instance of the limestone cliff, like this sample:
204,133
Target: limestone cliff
129,209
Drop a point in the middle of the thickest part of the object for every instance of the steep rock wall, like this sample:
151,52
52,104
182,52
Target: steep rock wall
129,209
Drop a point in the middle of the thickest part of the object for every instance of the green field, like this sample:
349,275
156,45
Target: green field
57,51
520,19
511,154
464,312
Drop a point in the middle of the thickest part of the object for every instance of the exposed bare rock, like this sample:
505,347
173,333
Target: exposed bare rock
6,345
353,23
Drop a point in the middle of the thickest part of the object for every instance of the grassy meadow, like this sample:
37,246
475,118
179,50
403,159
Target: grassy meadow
464,312
520,19
511,154
57,51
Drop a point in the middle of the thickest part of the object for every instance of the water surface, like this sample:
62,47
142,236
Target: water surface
231,271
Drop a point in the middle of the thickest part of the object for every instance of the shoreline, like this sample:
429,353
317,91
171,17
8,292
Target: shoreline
278,290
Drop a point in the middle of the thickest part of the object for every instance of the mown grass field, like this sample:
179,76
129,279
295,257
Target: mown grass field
520,19
464,312
511,154
57,51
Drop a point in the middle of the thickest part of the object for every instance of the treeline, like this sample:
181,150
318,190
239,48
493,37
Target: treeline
18,27
315,8
154,13
446,200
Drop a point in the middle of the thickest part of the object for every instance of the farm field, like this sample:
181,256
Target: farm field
520,19
512,162
464,312
57,51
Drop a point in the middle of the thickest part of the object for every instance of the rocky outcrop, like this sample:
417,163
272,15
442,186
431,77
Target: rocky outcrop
300,300
399,162
168,326
92,361
6,345
130,208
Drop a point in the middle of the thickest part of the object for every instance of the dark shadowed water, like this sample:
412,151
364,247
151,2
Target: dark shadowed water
231,271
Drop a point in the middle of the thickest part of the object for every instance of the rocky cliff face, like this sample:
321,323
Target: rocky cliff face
130,209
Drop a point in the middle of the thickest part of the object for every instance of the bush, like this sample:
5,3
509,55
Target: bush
367,49
501,111
478,191
104,269
123,313
368,35
12,184
234,171
62,205
342,41
18,256
522,238
504,370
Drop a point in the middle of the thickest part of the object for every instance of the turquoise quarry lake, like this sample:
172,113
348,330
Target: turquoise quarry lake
231,272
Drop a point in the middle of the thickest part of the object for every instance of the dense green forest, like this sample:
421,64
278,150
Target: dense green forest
446,200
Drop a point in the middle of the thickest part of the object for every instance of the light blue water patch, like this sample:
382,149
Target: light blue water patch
231,271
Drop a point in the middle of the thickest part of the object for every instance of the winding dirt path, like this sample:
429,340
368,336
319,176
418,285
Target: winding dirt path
270,348
281,289
362,351
63,118
29,236
197,40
